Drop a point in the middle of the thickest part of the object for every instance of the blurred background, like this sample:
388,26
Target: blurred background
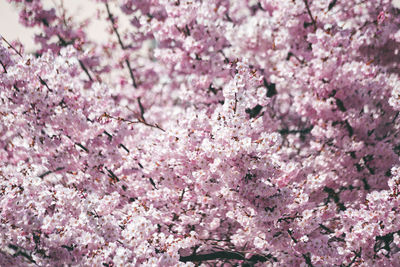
11,29
80,10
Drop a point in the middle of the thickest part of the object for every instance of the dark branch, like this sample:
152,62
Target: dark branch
181,197
108,134
49,172
253,112
383,242
110,138
141,108
111,17
313,22
85,70
271,88
357,255
131,73
134,122
308,259
45,174
81,146
332,4
44,83
124,147
21,252
335,197
4,66
12,47
326,229
349,128
340,105
112,20
290,54
152,183
225,255
112,175
65,43
69,248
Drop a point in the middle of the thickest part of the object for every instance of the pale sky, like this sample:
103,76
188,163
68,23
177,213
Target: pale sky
9,26
11,29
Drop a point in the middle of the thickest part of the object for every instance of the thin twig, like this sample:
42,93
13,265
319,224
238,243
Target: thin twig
128,64
230,255
43,82
332,4
131,73
85,70
49,172
357,255
4,67
314,23
124,147
111,17
112,175
133,122
181,197
19,251
308,260
141,108
65,43
290,54
12,47
16,51
83,147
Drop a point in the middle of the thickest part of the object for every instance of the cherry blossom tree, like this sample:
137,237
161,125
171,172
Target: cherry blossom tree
222,133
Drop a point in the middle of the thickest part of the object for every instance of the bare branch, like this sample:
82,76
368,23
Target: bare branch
134,122
4,66
49,172
112,20
85,70
11,46
313,22
112,175
225,255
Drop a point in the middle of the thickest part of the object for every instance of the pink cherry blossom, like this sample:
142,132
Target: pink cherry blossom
254,133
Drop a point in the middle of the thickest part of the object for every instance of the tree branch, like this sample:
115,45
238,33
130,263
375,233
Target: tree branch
85,70
49,172
22,252
112,175
11,46
313,22
111,17
226,255
141,108
65,43
133,122
332,4
4,67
